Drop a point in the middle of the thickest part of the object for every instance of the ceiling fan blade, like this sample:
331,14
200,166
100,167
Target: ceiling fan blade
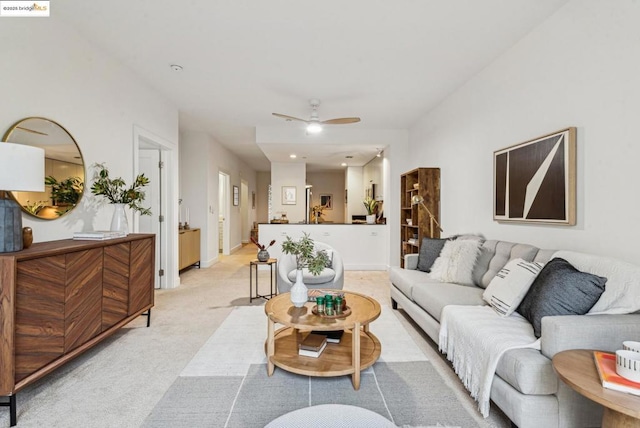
341,121
284,116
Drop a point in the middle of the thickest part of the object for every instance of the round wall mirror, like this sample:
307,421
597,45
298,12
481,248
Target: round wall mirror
64,167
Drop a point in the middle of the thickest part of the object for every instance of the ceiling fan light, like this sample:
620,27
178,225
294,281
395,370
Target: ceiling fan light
314,128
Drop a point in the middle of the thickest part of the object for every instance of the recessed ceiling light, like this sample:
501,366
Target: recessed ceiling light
343,164
176,67
292,156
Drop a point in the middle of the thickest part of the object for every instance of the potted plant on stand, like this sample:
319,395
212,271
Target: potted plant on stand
118,194
371,205
306,257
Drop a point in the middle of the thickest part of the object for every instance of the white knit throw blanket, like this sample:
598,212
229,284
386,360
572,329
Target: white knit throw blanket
474,338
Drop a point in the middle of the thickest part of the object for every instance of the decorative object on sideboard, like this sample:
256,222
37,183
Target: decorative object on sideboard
27,237
118,194
371,205
263,254
306,257
419,200
63,160
21,169
535,181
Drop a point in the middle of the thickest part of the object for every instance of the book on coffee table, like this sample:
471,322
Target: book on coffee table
333,336
606,365
312,345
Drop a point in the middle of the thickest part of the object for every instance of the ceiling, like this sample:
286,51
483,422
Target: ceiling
387,62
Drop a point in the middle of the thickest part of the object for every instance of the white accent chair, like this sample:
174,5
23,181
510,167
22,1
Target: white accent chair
330,277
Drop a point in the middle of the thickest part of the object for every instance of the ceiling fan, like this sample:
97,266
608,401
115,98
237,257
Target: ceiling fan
314,124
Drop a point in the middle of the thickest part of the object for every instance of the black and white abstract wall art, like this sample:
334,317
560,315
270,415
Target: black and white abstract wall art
535,181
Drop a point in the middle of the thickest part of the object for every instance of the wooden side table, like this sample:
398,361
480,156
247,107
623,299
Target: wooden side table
577,369
273,277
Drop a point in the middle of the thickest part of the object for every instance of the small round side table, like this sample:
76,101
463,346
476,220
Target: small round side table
577,369
273,277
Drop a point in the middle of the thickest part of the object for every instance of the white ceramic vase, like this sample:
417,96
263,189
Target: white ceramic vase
119,220
371,219
299,294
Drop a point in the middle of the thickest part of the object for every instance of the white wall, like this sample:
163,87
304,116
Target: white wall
288,174
355,192
332,183
51,71
579,68
262,196
201,160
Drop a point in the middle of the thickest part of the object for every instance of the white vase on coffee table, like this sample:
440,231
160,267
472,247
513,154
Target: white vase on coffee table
299,292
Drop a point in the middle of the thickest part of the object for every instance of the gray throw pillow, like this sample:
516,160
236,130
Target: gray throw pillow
560,289
429,252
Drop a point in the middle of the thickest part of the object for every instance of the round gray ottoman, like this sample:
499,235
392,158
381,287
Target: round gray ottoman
331,416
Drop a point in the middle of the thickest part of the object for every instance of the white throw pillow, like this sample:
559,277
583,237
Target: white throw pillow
456,261
508,288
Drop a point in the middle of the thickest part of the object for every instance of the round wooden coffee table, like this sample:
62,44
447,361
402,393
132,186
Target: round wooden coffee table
354,353
577,369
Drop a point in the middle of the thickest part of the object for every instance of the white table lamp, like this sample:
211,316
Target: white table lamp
21,169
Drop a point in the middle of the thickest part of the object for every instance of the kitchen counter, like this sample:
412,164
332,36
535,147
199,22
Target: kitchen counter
362,246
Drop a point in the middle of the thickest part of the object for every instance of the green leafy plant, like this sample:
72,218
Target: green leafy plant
34,207
67,191
116,190
305,254
370,205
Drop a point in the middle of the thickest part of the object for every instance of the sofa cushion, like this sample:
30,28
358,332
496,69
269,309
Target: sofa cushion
406,279
528,371
434,296
326,275
496,256
485,255
456,261
429,251
507,289
560,289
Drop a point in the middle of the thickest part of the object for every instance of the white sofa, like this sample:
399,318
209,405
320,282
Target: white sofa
525,385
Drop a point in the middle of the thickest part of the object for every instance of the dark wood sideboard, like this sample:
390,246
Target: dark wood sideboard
60,298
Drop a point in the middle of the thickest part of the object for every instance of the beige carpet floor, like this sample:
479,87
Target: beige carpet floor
119,382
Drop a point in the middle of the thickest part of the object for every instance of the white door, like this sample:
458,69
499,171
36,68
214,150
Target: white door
223,202
150,164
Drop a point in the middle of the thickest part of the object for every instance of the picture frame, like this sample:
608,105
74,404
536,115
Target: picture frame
326,200
288,195
236,196
535,181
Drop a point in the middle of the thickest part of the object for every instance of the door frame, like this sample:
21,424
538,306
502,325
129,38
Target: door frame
169,196
225,209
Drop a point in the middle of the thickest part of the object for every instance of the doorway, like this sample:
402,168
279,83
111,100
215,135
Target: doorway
223,218
244,211
157,159
150,164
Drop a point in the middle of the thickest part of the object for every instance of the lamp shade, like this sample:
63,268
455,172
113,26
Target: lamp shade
21,168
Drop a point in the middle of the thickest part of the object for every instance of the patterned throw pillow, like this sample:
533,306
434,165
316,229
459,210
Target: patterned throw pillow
507,289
